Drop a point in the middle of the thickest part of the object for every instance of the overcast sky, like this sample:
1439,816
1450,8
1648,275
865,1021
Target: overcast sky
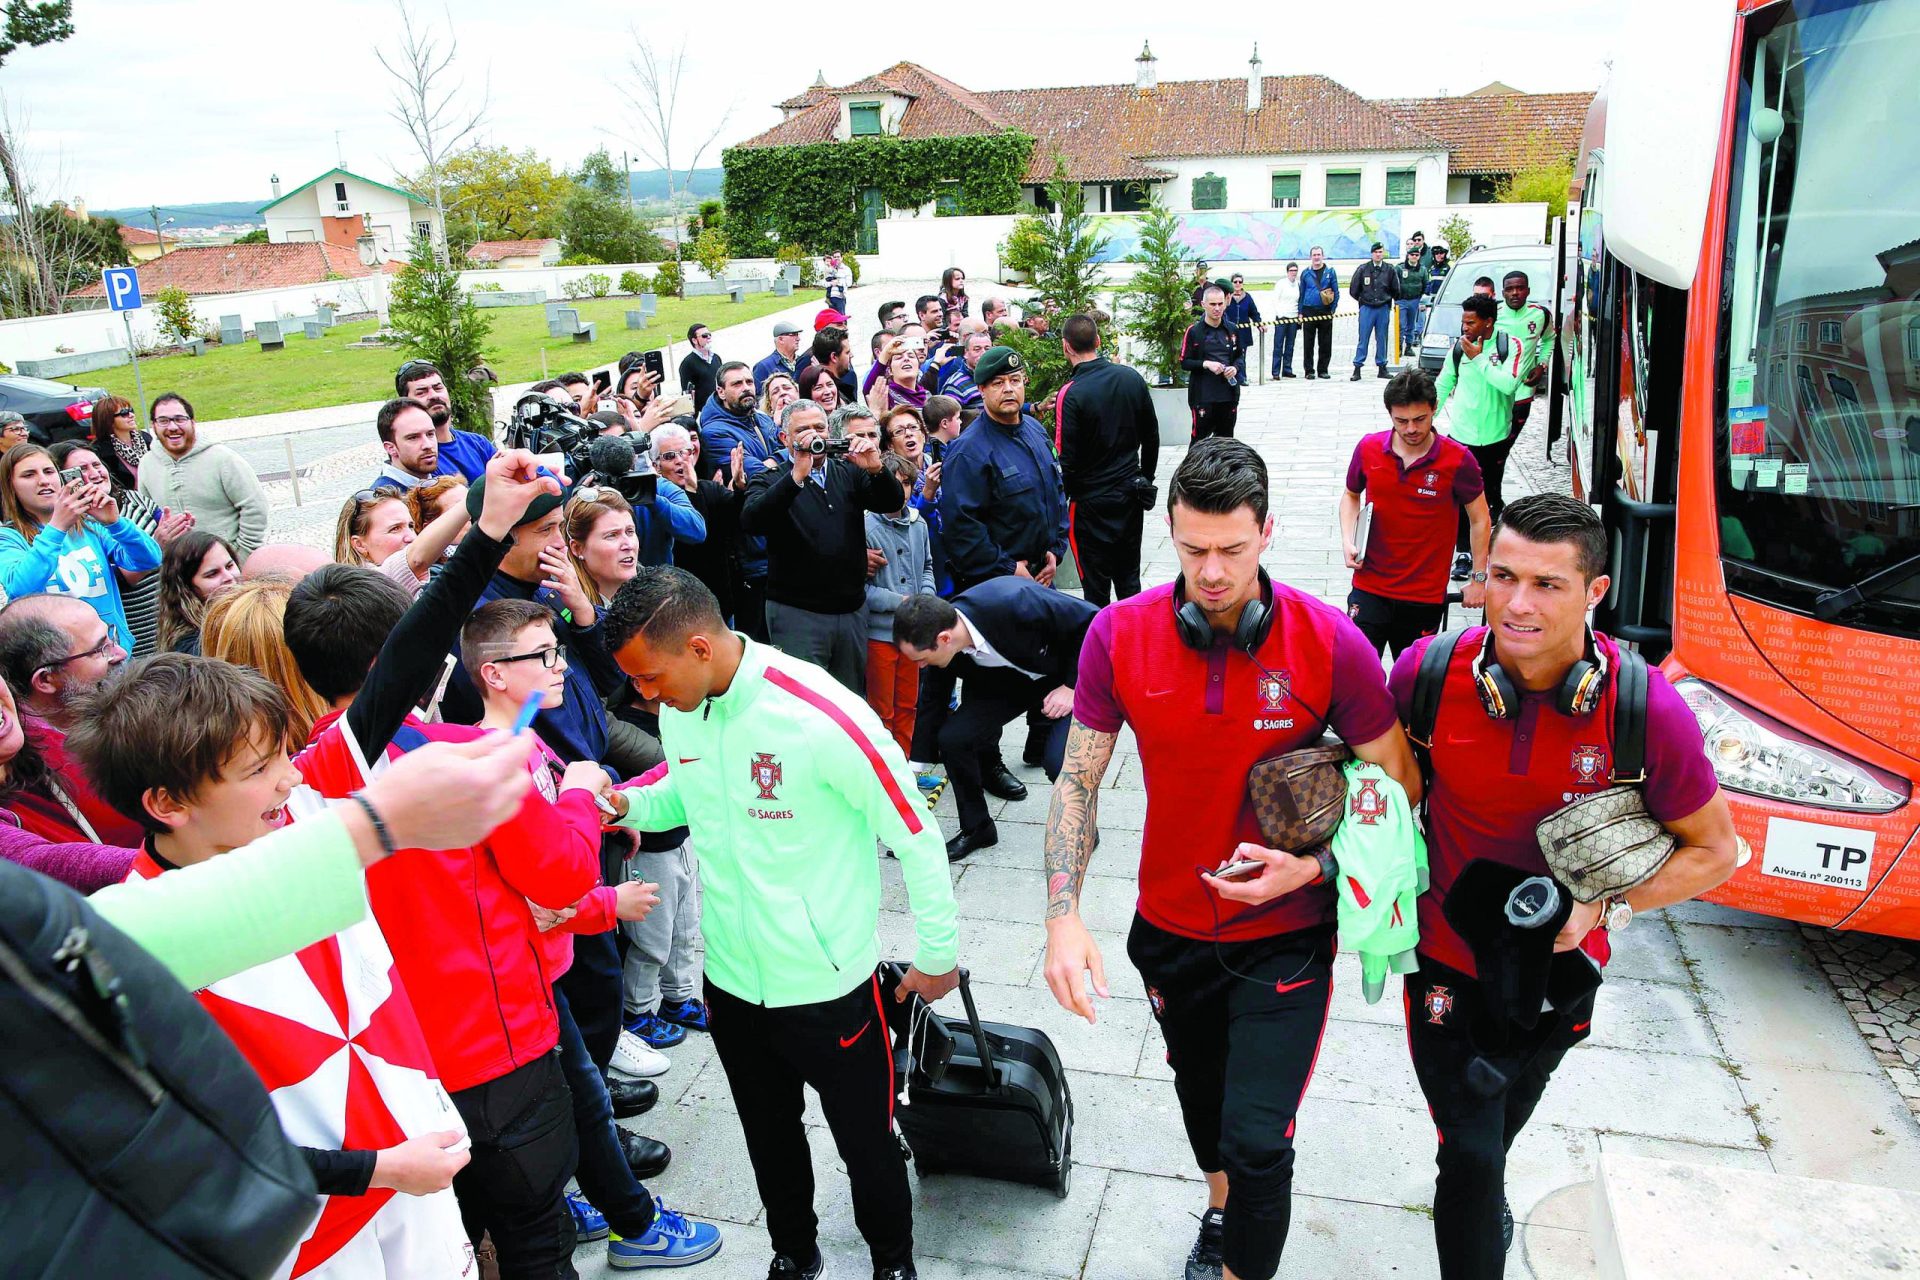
160,103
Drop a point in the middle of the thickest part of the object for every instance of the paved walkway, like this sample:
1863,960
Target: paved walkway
1717,1039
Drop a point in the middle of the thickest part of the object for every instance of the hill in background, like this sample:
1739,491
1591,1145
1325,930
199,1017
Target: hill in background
650,184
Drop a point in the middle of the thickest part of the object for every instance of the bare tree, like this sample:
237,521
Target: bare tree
46,251
430,107
653,93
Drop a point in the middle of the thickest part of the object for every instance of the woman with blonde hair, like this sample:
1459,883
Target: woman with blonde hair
780,391
246,625
602,541
376,529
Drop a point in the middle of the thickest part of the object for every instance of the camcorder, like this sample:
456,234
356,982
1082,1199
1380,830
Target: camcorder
542,423
820,445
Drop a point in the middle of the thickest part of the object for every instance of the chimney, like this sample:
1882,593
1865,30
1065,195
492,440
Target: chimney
1144,76
1253,79
79,209
275,181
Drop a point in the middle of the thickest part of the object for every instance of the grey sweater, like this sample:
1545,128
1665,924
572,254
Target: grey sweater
907,572
216,486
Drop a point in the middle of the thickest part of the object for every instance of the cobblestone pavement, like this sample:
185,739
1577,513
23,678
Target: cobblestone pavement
1718,1038
1878,979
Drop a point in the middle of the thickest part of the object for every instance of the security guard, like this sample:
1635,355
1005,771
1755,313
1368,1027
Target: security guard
1002,506
1109,444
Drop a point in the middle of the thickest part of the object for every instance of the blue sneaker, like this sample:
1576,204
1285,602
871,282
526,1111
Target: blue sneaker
657,1031
672,1241
690,1014
588,1223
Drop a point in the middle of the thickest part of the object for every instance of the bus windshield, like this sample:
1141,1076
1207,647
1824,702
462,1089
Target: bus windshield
1818,440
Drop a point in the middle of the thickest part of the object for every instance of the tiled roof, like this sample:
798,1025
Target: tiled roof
1111,132
496,250
138,235
1487,132
235,268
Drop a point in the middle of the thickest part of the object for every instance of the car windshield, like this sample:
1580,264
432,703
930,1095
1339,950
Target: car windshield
1818,441
1444,319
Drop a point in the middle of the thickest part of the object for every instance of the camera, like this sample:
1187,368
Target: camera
820,445
543,423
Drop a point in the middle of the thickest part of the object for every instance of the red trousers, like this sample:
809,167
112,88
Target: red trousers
893,687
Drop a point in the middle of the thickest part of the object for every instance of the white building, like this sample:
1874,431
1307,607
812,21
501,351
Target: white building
369,218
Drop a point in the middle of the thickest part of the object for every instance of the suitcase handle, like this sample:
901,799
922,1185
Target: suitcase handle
979,1032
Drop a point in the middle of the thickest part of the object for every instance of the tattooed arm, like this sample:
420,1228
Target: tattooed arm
1072,832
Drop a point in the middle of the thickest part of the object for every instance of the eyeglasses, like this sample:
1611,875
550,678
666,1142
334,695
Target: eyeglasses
671,455
172,420
106,643
549,657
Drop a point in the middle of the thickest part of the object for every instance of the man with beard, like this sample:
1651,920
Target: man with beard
717,500
208,481
413,455
53,650
729,421
461,453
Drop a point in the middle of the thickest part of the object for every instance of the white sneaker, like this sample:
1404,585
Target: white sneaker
633,1056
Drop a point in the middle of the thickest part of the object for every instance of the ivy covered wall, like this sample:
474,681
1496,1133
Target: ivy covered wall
810,195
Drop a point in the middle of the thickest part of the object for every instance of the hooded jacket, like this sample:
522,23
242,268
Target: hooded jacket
216,486
79,562
720,431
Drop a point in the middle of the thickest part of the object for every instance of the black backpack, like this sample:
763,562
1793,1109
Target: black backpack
1500,349
1629,708
137,1134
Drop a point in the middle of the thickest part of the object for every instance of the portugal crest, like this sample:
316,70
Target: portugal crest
1274,688
766,774
1369,806
1433,478
1438,1004
1589,763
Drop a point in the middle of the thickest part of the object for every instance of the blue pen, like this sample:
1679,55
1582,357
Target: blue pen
528,710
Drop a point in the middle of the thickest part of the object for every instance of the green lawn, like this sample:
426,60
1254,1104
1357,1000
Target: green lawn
235,382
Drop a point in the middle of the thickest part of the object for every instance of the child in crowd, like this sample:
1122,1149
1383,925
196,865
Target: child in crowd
893,683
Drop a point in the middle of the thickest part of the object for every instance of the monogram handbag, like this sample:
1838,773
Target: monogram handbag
1298,797
1604,843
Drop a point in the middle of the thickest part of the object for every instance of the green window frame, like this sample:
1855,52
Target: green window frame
1399,186
1286,191
1343,189
1209,191
946,201
863,119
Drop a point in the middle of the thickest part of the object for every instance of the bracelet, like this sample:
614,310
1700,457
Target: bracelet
380,831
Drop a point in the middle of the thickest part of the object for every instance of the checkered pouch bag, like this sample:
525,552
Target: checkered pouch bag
1298,797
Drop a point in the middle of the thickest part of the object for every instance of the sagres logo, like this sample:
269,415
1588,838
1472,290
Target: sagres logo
1369,805
766,774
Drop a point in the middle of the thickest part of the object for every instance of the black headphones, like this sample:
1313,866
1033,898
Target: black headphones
1578,694
1256,619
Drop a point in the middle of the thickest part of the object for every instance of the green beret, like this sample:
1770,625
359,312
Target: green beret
997,362
477,496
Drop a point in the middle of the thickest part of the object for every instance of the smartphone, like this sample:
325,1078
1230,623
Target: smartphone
70,476
656,364
528,709
602,382
1239,870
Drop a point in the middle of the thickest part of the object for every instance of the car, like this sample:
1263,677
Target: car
54,411
1441,314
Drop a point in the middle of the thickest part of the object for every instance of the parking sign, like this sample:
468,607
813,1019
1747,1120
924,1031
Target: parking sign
123,288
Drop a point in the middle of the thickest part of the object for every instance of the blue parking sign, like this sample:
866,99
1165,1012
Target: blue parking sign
123,288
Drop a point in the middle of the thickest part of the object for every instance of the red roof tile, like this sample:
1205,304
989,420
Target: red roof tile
235,268
1490,132
138,235
495,250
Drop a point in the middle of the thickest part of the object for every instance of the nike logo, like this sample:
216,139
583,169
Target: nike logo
1282,988
846,1042
1582,1026
689,759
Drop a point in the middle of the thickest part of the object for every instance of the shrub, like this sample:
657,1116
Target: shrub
632,282
581,260
670,281
488,286
599,284
793,254
711,251
852,264
1026,244
177,321
575,289
1458,234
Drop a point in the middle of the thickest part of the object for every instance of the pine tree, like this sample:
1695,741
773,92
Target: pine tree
1158,307
438,322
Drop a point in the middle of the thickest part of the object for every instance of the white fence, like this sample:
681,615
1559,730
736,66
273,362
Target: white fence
42,337
921,248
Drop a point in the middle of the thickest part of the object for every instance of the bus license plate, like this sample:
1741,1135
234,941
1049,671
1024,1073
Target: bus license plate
1815,853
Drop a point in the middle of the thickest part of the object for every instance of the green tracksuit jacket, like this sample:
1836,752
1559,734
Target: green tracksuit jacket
1481,391
785,781
1532,327
1382,868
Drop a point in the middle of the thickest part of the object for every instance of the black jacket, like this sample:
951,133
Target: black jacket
1035,628
697,374
1203,343
1108,432
1374,284
817,536
716,562
1001,500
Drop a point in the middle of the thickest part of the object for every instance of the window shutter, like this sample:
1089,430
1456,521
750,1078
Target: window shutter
864,118
1343,190
1286,191
1209,192
1399,186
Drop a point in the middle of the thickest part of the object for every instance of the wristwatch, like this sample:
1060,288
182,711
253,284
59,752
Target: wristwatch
1324,856
1616,915
1478,575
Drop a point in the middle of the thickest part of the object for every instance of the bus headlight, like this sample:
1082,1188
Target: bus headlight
1750,757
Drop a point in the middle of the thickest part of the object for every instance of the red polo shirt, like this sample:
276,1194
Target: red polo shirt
1416,512
1493,780
1203,720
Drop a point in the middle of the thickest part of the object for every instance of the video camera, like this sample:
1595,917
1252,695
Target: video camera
545,424
819,445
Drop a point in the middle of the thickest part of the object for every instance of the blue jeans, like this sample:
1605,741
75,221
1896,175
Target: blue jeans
1409,325
1373,320
1285,332
605,1178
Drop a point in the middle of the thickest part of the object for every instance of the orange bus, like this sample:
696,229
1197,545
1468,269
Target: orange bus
1742,399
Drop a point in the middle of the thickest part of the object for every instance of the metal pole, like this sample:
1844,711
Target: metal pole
139,387
293,472
1260,374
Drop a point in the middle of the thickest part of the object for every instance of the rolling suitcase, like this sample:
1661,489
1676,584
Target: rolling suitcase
997,1107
